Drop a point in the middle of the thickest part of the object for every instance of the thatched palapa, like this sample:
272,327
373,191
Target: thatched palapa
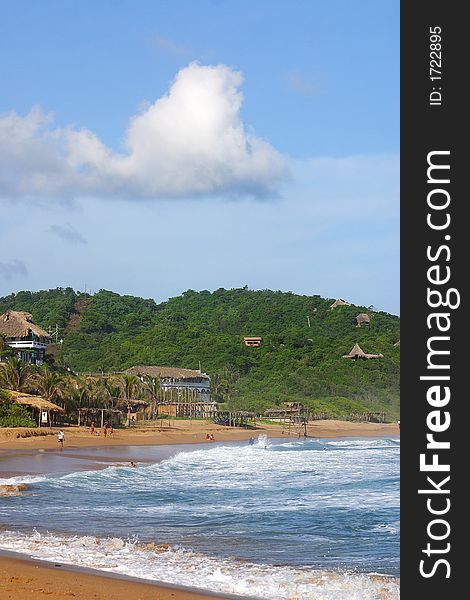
19,324
339,302
36,402
362,319
165,372
358,353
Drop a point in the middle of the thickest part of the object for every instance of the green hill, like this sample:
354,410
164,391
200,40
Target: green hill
296,361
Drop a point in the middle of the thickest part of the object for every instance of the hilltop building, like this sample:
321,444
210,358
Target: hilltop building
358,353
252,342
362,319
23,335
339,302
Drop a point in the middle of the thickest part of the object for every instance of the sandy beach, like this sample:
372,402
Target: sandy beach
22,579
182,432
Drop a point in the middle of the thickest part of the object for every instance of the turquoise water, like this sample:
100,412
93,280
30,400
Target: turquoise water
276,513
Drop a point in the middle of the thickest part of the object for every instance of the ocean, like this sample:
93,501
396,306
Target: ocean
297,519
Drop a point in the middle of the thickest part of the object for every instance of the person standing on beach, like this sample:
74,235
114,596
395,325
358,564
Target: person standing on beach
61,438
92,427
105,429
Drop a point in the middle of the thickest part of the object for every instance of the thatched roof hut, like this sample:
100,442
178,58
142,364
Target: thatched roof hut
19,324
339,302
36,402
165,372
358,352
362,319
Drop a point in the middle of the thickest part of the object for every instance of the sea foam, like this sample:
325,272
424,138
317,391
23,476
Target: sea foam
177,565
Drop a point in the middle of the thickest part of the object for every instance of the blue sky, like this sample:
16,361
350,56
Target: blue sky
150,147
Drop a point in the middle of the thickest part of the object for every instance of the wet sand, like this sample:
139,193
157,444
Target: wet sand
19,462
21,579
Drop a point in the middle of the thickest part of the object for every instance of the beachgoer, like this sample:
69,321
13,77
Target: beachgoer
251,441
398,423
208,437
105,430
61,438
92,427
211,437
133,464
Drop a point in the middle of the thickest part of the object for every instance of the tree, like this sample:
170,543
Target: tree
5,349
111,390
50,384
223,384
15,374
152,386
130,387
12,414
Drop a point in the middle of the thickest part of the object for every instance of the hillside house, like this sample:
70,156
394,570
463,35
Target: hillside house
252,342
362,319
357,353
339,302
23,335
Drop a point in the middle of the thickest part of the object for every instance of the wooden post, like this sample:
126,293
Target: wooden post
102,418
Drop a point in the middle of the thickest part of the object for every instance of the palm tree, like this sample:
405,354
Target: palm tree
49,383
5,349
217,385
78,393
15,374
130,388
229,377
152,386
111,390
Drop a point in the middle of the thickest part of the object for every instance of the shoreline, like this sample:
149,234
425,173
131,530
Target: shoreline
21,576
182,433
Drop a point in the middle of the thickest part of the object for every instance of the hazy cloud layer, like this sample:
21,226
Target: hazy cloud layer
296,82
68,233
13,268
190,142
334,232
169,46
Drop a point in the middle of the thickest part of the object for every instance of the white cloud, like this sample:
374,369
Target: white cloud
190,142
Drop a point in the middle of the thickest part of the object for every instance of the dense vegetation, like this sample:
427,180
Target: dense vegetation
12,414
296,361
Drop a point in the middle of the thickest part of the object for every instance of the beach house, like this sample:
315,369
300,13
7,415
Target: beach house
175,382
23,335
183,392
